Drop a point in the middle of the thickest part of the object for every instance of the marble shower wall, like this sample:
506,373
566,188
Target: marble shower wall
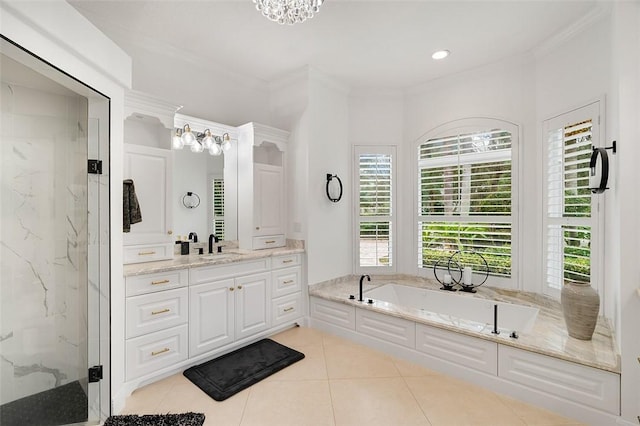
43,240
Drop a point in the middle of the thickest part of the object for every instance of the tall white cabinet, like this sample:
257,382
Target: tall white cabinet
261,190
148,161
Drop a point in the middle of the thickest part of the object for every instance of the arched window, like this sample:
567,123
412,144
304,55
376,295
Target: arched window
467,193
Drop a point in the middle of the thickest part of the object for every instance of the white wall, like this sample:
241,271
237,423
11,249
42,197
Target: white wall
329,253
625,268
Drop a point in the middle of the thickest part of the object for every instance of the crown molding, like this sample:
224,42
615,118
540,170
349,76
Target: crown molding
602,10
140,103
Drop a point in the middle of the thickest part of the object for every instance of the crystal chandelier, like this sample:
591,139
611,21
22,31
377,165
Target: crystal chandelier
288,11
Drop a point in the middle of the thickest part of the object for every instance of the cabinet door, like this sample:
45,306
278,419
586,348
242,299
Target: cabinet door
150,169
210,316
268,200
252,310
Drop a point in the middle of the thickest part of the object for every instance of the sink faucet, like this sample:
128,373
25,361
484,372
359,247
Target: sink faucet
213,239
362,279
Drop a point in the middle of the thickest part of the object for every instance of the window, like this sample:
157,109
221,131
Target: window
375,209
217,191
466,195
571,213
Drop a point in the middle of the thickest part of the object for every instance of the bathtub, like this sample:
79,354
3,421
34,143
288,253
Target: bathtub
454,307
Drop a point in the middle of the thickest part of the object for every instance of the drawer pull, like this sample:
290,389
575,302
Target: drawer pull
270,242
145,253
239,287
159,282
289,309
287,261
287,282
161,312
231,288
160,352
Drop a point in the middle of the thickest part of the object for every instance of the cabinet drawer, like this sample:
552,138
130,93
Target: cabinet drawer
286,308
385,327
269,241
152,352
147,253
149,283
455,347
285,281
285,261
215,273
333,312
584,385
156,311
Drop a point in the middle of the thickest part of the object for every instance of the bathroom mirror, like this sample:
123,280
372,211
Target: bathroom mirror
214,179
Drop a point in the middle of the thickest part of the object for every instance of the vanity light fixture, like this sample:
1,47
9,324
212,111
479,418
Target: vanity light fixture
199,142
440,54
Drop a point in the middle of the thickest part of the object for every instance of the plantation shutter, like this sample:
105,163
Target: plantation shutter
465,198
570,223
218,207
375,207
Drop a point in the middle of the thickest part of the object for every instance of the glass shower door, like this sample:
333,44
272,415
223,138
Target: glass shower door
49,245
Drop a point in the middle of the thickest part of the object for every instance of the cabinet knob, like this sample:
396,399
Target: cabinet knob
239,287
257,228
170,232
231,288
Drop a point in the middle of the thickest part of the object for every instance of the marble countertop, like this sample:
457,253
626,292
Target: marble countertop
548,336
195,260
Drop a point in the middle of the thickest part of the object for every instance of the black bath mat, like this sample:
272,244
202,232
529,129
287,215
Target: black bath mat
186,419
58,406
227,375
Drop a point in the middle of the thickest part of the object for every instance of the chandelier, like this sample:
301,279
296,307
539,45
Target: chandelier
288,11
199,142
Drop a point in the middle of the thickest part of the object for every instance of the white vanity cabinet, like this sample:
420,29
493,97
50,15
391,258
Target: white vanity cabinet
226,305
286,289
261,191
156,320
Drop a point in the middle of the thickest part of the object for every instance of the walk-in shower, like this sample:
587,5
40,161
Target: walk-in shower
53,244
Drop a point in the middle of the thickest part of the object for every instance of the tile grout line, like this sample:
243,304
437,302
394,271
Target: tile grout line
404,379
326,370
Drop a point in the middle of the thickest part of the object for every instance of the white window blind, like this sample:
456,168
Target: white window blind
375,207
217,187
465,198
571,219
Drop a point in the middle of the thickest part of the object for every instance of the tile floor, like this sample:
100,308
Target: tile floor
343,383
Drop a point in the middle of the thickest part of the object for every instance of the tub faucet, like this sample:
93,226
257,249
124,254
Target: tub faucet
213,239
362,279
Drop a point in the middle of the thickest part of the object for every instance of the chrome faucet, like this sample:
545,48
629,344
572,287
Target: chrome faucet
213,239
362,279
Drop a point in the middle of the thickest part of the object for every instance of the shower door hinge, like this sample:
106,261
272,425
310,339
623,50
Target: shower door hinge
95,167
95,373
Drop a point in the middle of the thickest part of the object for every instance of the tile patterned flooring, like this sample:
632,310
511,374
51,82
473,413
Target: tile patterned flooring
343,383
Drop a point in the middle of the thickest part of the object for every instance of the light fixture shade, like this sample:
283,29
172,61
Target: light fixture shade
215,149
176,141
197,147
208,140
188,138
288,11
226,142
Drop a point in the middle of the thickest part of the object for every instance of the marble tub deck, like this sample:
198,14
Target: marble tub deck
548,336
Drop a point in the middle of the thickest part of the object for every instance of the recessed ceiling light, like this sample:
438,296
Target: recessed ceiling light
440,54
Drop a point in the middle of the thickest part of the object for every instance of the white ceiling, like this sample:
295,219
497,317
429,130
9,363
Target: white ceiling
381,44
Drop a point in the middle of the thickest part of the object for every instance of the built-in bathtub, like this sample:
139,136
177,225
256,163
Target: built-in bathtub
478,313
